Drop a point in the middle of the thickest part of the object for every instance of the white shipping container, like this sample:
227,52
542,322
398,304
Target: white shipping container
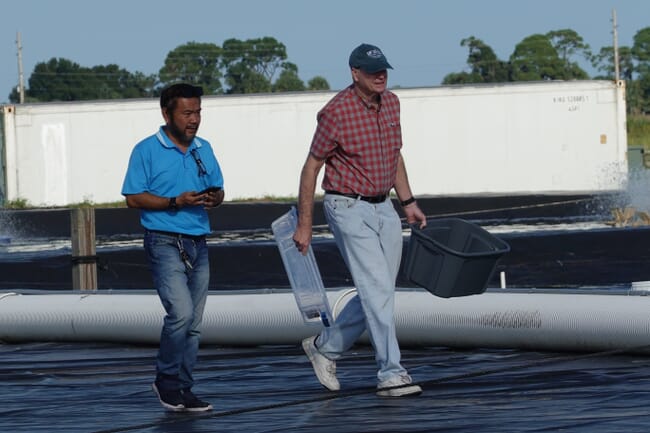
511,138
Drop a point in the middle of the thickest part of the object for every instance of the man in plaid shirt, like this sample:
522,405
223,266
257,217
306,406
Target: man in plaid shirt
359,140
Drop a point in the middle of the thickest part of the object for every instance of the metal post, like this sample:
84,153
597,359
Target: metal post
21,80
617,73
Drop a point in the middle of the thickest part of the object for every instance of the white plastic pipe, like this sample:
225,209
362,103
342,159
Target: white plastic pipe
494,319
238,319
523,320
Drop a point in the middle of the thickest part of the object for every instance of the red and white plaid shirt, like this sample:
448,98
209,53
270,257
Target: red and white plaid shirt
361,143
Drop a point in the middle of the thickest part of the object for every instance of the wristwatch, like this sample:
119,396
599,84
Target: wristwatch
408,201
172,204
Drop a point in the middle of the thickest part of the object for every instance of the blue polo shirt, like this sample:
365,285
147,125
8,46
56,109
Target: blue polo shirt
157,166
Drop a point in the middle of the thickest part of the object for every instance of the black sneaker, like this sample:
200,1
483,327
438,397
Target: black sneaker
194,404
170,400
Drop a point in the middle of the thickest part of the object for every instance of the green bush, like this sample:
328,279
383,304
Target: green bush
19,203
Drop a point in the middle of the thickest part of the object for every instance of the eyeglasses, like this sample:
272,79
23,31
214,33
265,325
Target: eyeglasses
199,163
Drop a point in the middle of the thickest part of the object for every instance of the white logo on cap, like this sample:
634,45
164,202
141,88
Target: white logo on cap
374,53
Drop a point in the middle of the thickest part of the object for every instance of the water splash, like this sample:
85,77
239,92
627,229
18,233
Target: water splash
638,189
631,204
612,184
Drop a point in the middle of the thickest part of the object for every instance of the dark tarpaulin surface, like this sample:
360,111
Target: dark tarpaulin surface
76,387
95,387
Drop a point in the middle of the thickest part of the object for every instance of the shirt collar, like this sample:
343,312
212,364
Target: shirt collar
370,105
165,141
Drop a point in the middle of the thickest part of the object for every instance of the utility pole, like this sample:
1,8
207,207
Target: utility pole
21,80
617,72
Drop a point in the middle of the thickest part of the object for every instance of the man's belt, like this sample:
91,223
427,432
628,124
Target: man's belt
178,235
369,198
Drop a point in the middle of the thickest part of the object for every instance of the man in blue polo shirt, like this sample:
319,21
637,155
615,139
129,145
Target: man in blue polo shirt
173,177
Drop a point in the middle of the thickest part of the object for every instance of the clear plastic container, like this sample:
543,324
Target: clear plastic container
302,270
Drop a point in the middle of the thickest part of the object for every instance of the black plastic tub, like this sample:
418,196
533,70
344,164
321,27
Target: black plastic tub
452,257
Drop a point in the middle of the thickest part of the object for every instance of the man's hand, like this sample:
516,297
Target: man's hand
205,199
414,214
213,198
302,238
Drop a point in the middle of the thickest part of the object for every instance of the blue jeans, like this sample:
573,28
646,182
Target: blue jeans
183,292
369,237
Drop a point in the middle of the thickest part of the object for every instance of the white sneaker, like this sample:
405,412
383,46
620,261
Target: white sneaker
324,368
399,386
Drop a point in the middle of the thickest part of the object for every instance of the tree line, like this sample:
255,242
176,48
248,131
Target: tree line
553,56
238,66
261,65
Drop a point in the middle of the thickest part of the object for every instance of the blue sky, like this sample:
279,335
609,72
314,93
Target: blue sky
421,38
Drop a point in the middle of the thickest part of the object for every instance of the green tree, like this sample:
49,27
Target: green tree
63,80
106,81
288,80
460,78
635,98
643,106
641,46
111,82
604,63
484,62
250,66
534,59
241,79
567,44
195,63
57,80
484,65
318,83
641,54
141,85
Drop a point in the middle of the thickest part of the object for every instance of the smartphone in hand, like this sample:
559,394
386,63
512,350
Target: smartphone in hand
211,189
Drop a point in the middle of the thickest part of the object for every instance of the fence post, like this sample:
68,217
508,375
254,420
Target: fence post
84,259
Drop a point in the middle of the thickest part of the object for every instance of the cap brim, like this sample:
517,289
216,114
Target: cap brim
376,68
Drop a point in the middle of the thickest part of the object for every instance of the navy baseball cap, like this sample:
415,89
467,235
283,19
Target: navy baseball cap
369,58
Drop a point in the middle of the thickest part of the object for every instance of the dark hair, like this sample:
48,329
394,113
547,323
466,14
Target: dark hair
170,94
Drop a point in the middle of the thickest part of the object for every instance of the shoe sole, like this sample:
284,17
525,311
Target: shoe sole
405,391
306,347
167,406
198,409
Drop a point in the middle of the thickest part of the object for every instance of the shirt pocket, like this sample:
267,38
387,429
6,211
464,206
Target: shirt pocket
393,134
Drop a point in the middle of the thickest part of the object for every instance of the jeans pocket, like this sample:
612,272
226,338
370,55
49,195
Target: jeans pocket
336,208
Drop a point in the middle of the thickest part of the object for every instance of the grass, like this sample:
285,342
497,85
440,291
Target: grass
638,131
265,199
